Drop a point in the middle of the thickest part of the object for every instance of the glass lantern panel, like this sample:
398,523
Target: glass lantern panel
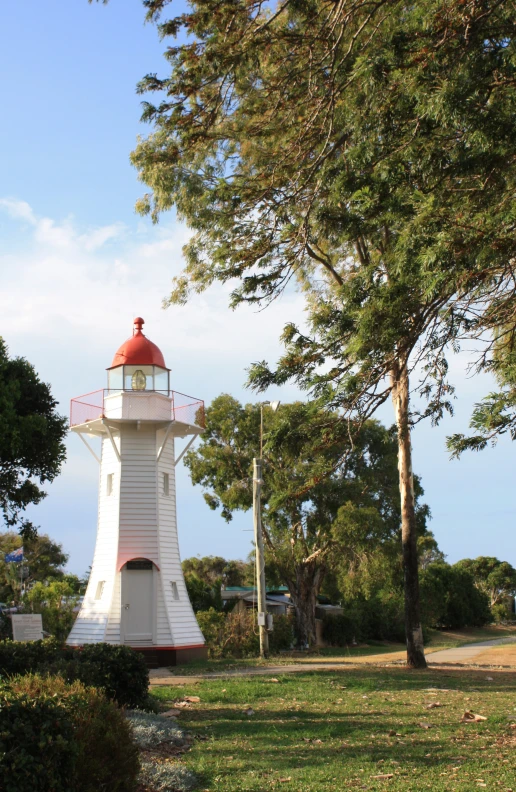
161,380
116,378
138,378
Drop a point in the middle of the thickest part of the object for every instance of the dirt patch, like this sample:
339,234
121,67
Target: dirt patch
504,655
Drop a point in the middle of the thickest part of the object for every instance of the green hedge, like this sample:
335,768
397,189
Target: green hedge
118,670
59,737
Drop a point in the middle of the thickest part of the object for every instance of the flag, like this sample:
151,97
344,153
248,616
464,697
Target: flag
16,556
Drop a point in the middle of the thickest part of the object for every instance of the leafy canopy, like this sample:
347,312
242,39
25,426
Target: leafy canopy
319,490
31,439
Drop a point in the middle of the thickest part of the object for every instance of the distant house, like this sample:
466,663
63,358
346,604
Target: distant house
245,597
278,600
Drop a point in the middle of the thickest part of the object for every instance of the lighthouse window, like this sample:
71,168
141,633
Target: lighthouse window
166,486
138,378
109,484
100,589
175,591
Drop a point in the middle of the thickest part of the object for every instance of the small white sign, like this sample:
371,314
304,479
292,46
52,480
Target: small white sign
27,627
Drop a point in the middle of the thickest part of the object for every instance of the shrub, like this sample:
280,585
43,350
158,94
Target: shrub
232,634
282,636
19,657
338,629
235,634
55,601
151,730
212,624
6,627
61,737
37,747
118,670
166,777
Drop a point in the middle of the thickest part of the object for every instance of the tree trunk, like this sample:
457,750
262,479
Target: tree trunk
304,598
413,630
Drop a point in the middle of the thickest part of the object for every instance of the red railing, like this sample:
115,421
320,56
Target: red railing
87,408
183,408
188,409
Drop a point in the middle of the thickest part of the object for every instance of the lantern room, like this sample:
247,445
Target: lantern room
139,365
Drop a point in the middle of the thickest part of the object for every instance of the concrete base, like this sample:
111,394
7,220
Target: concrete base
161,657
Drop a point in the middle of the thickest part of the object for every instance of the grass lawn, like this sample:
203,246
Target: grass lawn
360,728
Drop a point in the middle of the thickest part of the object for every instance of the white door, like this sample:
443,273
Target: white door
138,602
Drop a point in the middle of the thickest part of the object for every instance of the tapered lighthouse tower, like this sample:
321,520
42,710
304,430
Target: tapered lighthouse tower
136,593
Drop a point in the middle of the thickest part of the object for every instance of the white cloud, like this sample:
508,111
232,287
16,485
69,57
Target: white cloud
18,210
65,288
50,234
98,237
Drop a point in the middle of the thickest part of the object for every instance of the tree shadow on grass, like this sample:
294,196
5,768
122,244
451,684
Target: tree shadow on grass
284,736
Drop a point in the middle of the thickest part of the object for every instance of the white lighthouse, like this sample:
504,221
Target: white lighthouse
136,593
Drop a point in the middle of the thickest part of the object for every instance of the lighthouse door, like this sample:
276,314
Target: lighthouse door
138,602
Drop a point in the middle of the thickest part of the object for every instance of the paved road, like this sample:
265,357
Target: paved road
464,654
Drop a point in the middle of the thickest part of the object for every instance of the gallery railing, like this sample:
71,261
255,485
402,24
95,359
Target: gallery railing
104,404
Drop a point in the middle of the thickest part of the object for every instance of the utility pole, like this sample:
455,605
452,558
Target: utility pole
260,561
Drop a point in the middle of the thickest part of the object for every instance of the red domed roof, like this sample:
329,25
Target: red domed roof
138,350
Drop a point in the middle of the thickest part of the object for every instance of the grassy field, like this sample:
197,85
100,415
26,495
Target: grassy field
360,728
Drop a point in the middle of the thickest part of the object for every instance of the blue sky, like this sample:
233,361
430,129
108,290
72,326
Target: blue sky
77,265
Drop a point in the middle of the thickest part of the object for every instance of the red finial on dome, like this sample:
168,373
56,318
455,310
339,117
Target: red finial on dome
138,350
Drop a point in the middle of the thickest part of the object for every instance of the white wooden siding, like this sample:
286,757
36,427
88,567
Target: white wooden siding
90,625
137,521
138,510
180,616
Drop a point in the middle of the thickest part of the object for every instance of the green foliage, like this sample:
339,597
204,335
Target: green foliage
235,634
282,636
218,571
212,624
56,736
202,594
378,618
339,629
450,598
497,579
389,203
117,670
503,611
31,439
44,560
205,576
55,601
325,500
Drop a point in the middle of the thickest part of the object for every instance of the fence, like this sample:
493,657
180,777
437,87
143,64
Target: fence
138,405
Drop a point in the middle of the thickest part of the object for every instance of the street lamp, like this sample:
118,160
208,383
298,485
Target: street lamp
258,538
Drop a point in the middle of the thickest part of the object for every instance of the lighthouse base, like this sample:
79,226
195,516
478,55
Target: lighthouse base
164,656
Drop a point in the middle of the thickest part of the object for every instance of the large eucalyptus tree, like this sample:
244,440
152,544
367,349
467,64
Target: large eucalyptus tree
363,150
